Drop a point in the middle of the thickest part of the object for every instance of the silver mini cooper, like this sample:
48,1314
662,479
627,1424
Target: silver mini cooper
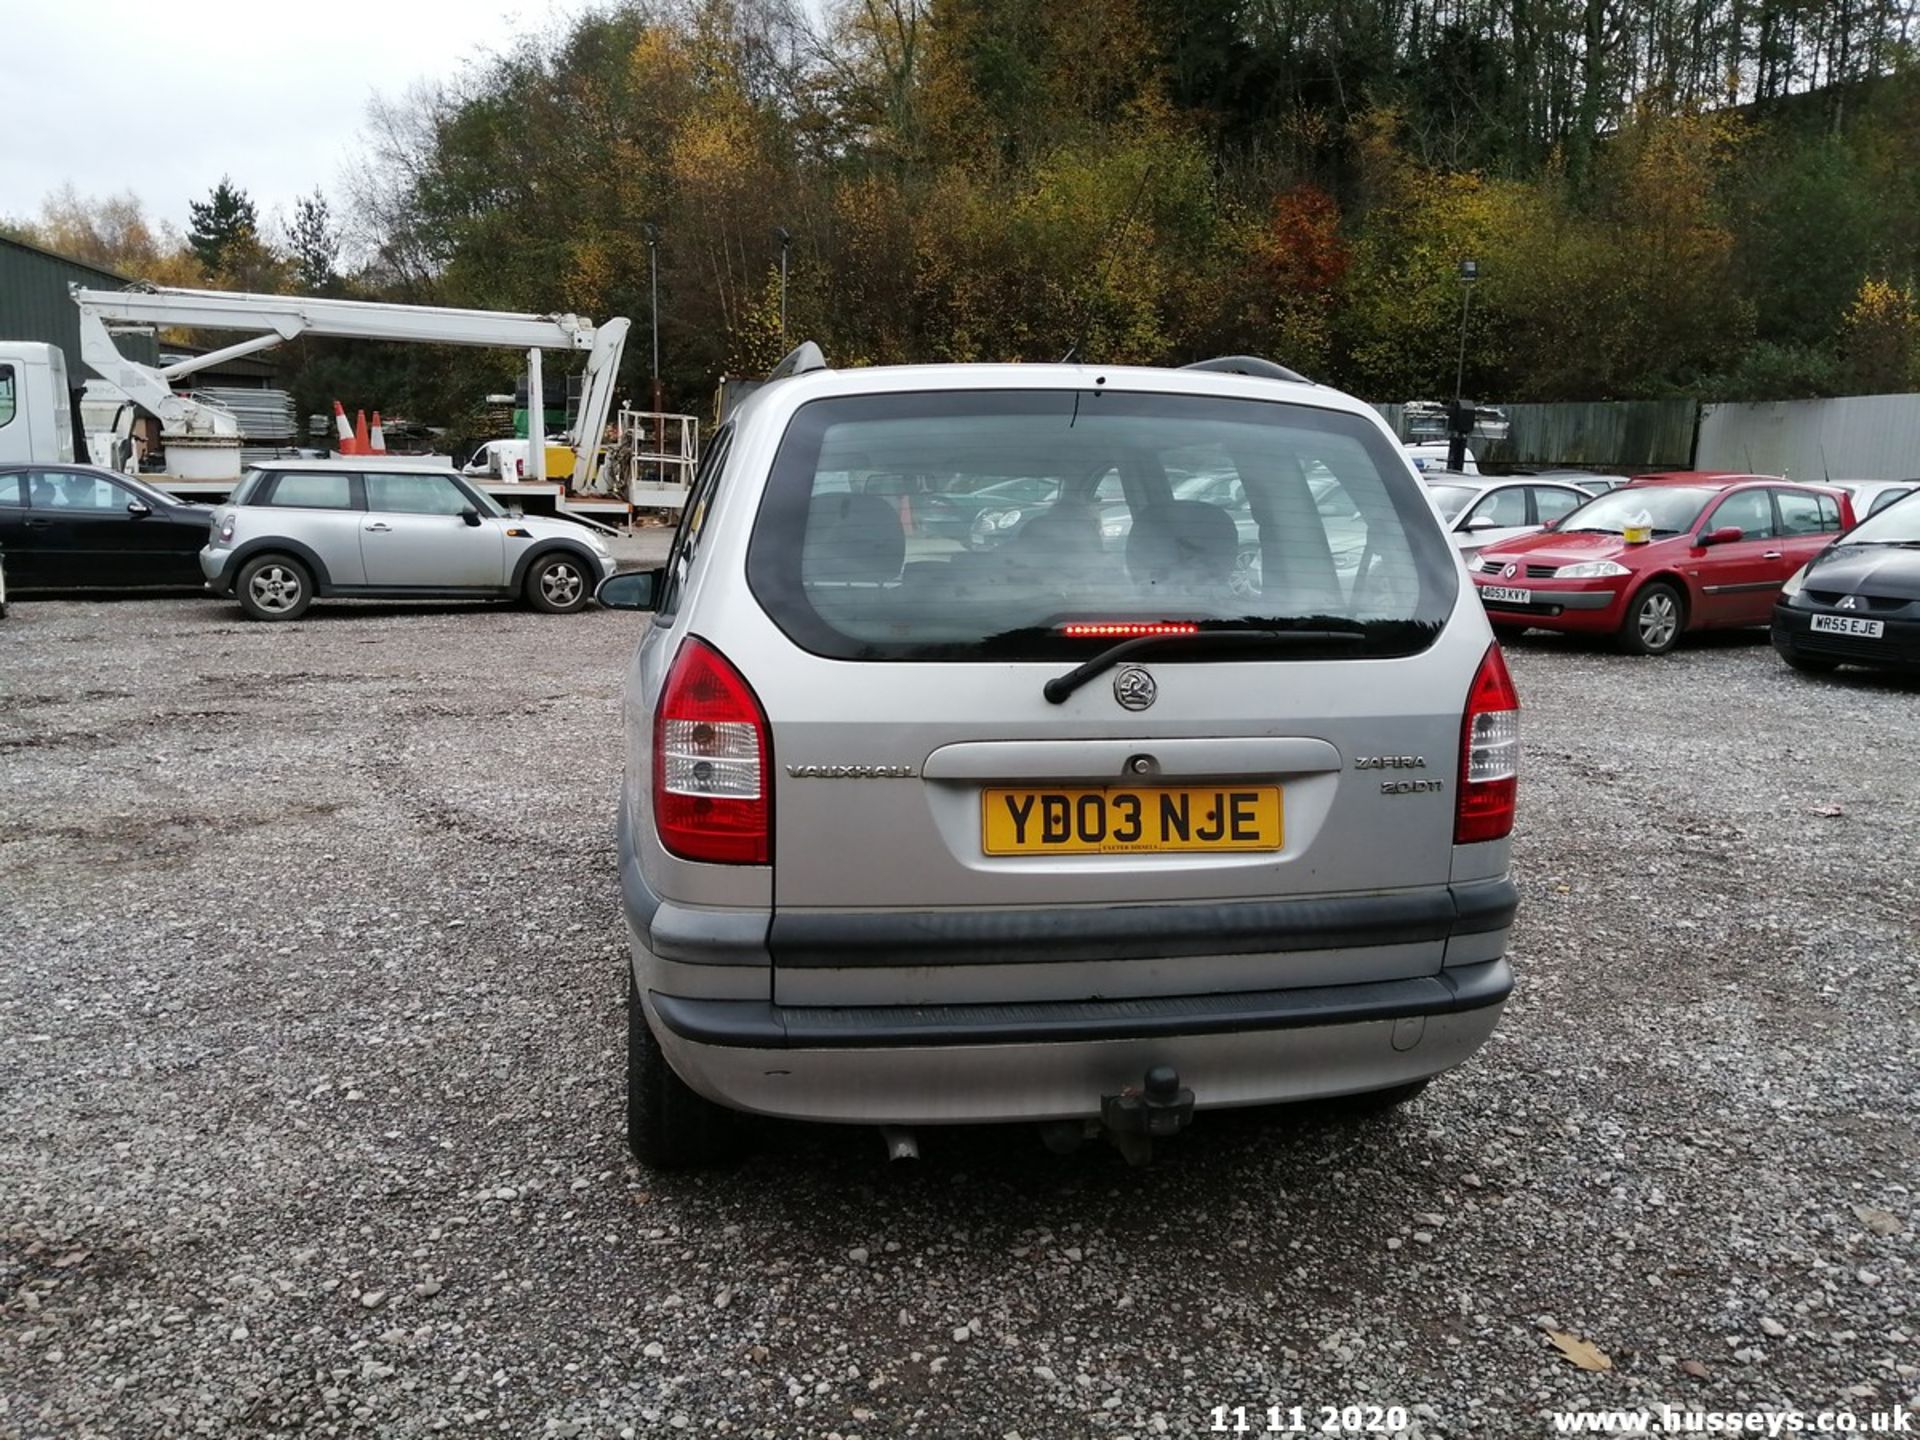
1075,818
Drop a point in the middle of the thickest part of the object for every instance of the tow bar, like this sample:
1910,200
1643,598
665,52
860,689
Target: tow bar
1158,1107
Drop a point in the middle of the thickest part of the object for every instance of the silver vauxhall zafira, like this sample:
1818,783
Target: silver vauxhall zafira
1081,745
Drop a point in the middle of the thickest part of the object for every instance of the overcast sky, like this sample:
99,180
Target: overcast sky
165,99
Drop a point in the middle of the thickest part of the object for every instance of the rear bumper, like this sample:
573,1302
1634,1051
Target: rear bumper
763,1025
995,1063
801,940
708,974
216,566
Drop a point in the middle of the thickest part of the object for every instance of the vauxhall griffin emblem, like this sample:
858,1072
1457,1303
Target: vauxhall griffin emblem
1134,688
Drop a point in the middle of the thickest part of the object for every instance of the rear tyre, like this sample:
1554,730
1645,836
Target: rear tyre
1655,618
558,584
274,587
669,1127
1806,664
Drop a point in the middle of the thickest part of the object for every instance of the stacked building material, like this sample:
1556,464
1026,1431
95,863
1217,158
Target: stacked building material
266,417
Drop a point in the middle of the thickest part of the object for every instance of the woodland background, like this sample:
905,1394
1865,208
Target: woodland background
1711,198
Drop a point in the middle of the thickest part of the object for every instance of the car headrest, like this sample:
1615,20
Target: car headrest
852,538
1186,542
1066,527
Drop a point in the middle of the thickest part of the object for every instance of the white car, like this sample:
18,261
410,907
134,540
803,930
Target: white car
1430,456
1593,484
499,460
1480,511
1870,497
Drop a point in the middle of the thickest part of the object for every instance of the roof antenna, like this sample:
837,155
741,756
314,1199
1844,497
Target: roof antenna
1113,252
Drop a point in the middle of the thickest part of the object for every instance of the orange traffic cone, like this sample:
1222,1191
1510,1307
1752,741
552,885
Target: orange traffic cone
361,445
378,436
345,445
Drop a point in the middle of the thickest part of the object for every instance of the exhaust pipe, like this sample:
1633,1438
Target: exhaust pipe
900,1142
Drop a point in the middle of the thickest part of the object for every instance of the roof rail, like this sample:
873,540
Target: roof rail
798,361
1249,365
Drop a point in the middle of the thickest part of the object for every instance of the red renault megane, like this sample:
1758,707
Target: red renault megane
1664,555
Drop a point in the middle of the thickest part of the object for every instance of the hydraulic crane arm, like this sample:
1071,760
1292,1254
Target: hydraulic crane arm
278,318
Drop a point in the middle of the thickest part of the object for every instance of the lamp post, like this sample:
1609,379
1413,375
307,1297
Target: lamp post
1460,419
785,237
652,232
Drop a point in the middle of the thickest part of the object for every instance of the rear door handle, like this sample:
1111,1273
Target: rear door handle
1773,555
379,525
36,524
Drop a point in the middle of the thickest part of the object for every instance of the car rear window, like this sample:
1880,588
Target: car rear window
1019,524
311,490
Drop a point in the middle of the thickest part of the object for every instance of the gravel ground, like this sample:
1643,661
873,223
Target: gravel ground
310,1047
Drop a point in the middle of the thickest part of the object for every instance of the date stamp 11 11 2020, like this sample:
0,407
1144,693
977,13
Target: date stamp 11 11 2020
1308,1420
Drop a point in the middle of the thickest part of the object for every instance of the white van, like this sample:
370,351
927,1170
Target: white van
36,416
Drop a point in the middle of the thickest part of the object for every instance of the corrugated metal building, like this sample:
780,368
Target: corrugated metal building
35,305
1856,437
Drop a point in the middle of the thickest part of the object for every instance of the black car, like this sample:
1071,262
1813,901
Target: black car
78,527
1858,601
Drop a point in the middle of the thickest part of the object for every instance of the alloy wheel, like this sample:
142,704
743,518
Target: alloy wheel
275,587
1659,621
561,584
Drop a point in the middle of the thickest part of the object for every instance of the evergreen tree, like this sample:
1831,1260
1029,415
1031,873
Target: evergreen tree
224,219
313,244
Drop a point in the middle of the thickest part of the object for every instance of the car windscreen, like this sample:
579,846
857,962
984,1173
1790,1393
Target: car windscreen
249,483
482,501
1199,512
1898,524
1668,509
1450,500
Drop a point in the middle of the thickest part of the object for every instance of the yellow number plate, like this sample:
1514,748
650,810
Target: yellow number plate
1117,821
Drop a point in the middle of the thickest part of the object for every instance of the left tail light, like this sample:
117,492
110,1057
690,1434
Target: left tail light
1489,754
712,763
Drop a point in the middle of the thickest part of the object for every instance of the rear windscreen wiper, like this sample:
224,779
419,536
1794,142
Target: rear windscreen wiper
1061,686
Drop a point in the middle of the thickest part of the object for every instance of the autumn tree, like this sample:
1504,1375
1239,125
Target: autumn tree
1880,338
115,233
1156,180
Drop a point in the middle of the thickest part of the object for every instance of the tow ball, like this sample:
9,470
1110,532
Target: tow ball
1157,1107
